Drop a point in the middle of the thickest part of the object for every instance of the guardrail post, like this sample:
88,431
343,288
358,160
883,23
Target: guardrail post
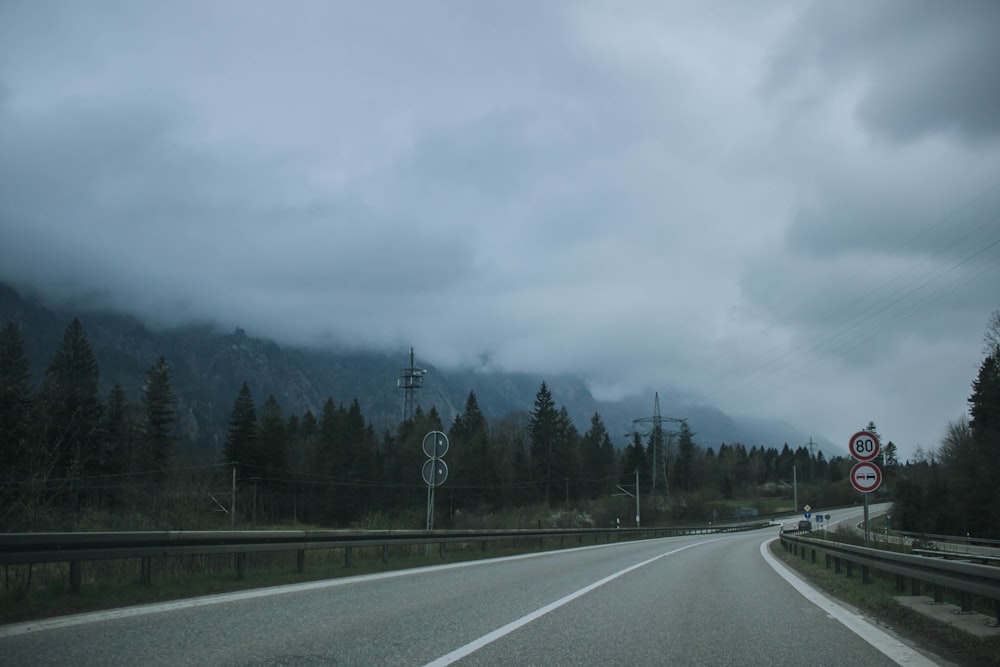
966,602
241,565
562,541
828,559
482,546
813,552
900,583
914,587
385,553
938,594
441,550
850,569
300,561
74,576
146,570
347,556
865,574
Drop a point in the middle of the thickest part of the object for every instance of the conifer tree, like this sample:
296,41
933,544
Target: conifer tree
16,403
470,463
597,455
71,408
683,467
159,415
273,439
243,437
117,455
543,431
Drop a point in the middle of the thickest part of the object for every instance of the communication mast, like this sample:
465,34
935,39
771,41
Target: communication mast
658,453
410,381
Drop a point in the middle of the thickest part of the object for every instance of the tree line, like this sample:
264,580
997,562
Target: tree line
69,456
952,490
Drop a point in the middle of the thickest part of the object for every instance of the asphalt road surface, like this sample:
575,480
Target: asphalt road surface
705,600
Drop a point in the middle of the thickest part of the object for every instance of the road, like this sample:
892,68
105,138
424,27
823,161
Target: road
705,600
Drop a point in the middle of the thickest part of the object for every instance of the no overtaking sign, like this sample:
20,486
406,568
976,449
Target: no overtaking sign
866,477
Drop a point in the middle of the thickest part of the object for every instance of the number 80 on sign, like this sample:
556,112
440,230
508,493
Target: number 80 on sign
864,446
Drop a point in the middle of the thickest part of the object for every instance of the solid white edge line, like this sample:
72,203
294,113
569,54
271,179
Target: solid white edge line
491,637
891,647
40,625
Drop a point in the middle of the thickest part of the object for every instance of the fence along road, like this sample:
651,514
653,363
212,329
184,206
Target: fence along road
710,599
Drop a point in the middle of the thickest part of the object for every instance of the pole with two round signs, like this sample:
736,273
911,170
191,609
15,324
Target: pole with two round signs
435,470
865,475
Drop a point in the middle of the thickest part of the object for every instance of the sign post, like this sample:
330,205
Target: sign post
865,476
435,470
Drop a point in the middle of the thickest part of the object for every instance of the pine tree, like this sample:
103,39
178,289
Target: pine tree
71,407
118,429
159,415
984,409
273,439
683,467
597,455
15,405
543,431
243,437
470,458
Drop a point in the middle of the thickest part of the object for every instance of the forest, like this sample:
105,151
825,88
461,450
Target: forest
74,460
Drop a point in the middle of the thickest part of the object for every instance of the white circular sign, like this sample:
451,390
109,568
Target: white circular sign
435,444
864,446
866,477
434,472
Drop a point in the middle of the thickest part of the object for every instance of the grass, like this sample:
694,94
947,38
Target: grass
878,599
43,591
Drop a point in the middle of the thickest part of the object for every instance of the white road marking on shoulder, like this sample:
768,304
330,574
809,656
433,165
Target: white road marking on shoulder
894,649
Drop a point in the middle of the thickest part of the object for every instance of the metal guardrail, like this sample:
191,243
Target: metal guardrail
948,539
967,579
75,548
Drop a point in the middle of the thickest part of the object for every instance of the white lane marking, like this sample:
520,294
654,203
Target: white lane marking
15,629
894,649
491,637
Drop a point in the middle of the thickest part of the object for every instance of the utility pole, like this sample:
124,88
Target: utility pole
636,497
232,501
795,488
811,459
633,495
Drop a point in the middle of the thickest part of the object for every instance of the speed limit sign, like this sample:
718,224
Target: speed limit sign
864,445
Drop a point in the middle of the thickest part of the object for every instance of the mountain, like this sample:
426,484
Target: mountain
210,365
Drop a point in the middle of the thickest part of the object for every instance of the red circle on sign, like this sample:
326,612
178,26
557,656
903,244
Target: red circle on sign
866,477
864,446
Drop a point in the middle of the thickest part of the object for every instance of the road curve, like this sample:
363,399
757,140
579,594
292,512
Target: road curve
705,600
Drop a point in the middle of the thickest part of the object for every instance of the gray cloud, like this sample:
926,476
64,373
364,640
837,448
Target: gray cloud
786,209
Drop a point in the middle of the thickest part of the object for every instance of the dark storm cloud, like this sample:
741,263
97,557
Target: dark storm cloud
923,67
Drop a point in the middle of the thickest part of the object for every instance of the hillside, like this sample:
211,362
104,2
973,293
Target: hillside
210,365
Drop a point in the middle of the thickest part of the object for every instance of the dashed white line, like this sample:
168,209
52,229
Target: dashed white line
491,637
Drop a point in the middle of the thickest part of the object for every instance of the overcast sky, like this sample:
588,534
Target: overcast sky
785,209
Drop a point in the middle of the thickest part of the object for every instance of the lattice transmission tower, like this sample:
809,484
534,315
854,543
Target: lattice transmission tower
410,380
659,451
